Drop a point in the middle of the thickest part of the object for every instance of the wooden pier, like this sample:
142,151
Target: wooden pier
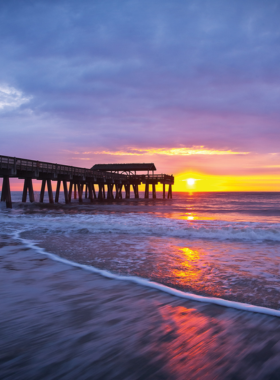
81,183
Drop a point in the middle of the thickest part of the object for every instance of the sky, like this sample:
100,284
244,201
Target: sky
193,86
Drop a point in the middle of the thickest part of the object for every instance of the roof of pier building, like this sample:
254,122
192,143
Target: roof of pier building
124,167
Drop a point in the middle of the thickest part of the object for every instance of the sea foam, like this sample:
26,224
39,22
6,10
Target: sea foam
147,283
152,225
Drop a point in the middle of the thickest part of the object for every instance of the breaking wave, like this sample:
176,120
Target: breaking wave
147,225
152,284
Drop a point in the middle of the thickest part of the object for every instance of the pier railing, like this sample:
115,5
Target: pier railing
157,177
21,164
77,178
14,163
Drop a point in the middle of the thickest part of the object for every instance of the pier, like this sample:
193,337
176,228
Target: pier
101,182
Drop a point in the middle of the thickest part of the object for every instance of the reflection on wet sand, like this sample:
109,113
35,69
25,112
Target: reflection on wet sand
61,322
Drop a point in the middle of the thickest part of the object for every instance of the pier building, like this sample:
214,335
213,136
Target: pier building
112,182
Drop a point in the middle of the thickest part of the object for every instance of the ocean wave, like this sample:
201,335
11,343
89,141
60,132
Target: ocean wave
151,284
146,225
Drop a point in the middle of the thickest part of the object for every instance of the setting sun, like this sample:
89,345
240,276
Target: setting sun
190,181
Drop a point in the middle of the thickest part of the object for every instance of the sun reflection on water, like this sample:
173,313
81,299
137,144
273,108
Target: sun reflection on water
188,267
192,216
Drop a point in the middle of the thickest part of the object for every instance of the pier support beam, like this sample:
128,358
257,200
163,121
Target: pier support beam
163,190
136,191
127,191
70,191
31,192
86,191
75,191
154,191
146,191
90,194
28,187
170,192
119,191
6,192
57,191
110,191
80,192
100,191
2,192
66,195
24,193
42,193
50,193
93,190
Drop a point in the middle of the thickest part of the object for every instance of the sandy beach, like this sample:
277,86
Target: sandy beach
60,322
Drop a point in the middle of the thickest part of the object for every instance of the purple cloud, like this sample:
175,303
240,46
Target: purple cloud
105,74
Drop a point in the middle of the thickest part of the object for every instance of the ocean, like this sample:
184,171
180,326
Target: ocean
209,258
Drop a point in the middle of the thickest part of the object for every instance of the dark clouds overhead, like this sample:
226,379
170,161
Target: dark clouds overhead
140,73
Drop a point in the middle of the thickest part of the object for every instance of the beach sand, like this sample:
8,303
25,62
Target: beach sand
60,322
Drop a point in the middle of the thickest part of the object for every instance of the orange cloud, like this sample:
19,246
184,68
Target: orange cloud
182,151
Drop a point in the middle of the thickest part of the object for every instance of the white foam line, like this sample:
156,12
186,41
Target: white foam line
152,284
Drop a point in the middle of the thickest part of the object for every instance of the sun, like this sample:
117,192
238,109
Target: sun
190,181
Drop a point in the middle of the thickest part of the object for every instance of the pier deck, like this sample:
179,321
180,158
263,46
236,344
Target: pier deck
75,180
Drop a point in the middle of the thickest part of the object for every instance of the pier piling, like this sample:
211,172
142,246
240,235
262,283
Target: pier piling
42,193
90,193
57,191
146,191
94,193
70,191
100,192
170,192
127,191
6,192
80,192
117,191
50,193
136,191
66,196
110,191
110,180
154,191
28,187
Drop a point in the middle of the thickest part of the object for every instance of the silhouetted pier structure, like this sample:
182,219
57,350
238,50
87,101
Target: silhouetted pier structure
109,179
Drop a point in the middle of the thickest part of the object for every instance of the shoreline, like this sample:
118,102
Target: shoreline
61,321
151,284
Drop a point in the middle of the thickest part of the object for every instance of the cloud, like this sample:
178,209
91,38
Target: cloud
271,166
11,98
145,74
182,151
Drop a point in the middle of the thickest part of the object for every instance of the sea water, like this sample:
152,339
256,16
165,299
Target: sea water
216,245
109,290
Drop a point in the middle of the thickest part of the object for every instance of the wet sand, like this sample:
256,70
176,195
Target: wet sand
60,322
